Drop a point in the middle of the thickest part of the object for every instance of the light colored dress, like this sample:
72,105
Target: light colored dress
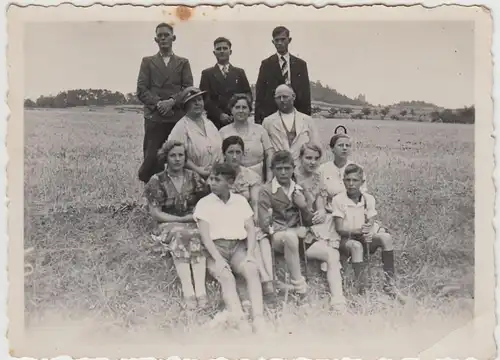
243,184
256,142
203,148
314,186
182,240
245,180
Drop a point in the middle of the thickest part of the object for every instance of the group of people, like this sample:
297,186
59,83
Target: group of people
229,194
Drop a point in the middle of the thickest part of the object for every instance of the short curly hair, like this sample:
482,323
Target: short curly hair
165,149
237,97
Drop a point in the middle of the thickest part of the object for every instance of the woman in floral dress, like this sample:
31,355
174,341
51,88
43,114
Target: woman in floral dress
172,195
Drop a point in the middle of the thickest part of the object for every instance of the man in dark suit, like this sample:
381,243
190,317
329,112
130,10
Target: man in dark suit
281,68
162,77
221,82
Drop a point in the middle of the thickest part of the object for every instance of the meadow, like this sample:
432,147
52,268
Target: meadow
94,260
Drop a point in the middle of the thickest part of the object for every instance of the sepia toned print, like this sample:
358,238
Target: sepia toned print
352,233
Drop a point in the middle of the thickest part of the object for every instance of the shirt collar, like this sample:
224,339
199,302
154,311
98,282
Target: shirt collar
166,55
351,202
222,66
286,56
275,185
231,197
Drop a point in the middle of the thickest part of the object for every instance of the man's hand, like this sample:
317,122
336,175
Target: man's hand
225,119
299,199
165,106
319,217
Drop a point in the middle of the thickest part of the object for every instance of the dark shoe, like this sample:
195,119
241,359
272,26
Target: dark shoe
268,288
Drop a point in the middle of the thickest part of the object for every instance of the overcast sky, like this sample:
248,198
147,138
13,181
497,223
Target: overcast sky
386,61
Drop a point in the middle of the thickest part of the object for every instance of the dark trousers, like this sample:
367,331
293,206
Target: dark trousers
155,134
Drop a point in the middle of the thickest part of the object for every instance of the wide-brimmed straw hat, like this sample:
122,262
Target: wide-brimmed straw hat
190,93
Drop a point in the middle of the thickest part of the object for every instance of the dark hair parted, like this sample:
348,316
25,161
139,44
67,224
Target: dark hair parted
225,170
170,27
222,39
354,169
237,97
232,140
282,157
280,29
165,149
310,146
336,138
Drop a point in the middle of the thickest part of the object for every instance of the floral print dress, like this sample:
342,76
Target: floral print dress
314,186
182,240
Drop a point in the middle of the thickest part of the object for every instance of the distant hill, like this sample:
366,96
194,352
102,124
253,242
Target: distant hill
416,105
102,97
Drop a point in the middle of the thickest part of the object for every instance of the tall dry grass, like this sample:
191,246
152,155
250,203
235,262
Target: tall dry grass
93,257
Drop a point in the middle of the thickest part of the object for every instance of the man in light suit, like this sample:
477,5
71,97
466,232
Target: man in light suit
281,68
289,128
221,82
162,77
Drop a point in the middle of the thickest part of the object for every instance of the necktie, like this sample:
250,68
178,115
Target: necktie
284,69
225,70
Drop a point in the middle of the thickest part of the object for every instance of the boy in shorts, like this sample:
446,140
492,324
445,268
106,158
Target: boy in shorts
289,208
227,229
354,216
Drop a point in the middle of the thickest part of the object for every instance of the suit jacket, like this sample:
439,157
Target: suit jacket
285,213
304,126
220,89
270,77
159,82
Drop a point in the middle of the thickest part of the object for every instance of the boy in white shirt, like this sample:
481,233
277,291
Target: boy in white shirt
354,215
225,221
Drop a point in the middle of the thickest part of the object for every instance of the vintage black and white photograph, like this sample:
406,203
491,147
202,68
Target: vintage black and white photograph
252,181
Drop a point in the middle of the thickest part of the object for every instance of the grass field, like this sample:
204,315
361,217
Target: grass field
93,258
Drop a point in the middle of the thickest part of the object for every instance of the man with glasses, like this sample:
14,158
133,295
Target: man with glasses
162,78
221,82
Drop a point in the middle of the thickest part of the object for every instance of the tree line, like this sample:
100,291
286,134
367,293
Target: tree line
411,109
103,97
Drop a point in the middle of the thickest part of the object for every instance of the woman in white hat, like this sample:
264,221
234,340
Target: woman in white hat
200,136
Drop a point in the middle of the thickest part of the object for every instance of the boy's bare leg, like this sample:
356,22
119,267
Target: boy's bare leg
288,242
265,275
184,272
249,271
199,275
322,252
228,286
